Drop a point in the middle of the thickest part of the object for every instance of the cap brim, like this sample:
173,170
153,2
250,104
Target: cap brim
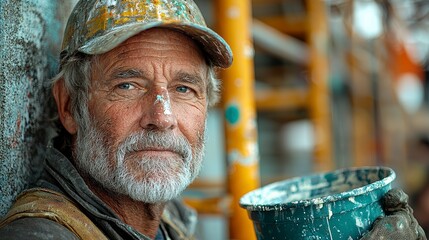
216,48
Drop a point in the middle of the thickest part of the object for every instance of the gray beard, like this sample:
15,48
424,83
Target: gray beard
162,178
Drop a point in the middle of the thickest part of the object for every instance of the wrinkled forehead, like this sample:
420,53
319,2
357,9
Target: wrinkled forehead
165,44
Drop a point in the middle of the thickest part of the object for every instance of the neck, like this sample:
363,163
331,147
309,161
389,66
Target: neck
144,217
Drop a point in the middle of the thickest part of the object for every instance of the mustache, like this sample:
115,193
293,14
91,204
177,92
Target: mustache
148,140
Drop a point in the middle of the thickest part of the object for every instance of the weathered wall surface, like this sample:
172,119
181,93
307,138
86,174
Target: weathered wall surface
30,38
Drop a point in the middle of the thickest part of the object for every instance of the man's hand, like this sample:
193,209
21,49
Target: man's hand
399,222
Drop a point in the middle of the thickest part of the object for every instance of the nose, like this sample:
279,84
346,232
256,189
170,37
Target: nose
158,113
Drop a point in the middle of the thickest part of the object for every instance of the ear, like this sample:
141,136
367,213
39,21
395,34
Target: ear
62,99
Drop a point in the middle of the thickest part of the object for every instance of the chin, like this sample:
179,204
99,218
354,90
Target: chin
155,187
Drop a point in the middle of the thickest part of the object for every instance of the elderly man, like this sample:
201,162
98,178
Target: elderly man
135,83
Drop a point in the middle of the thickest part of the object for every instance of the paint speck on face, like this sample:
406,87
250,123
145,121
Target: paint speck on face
165,101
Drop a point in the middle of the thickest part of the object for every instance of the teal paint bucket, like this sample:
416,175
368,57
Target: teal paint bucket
341,204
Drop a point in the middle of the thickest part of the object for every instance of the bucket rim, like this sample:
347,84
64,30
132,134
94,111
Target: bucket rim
385,181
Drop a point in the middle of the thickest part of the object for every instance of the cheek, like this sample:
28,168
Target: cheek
196,109
115,121
192,123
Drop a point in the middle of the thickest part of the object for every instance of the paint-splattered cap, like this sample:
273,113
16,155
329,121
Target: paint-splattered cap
98,26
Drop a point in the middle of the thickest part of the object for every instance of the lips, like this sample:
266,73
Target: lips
155,142
155,151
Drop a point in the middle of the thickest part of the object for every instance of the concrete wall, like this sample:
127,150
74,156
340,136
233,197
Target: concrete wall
30,39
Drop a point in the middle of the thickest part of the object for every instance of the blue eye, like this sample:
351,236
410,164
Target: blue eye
182,89
125,86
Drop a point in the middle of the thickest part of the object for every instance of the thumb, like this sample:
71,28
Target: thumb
395,200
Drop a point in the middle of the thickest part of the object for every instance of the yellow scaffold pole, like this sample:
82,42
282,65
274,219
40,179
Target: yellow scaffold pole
233,23
319,84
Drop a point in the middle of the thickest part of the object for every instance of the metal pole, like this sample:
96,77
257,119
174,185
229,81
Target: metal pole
320,110
234,22
279,44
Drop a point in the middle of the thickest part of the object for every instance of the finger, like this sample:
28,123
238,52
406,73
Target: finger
395,200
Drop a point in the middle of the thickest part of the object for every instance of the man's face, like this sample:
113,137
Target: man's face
144,133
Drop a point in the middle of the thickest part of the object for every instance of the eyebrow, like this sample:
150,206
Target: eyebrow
127,73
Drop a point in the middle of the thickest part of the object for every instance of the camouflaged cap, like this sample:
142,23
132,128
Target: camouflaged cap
98,26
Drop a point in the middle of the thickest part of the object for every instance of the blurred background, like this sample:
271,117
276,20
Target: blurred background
316,85
336,84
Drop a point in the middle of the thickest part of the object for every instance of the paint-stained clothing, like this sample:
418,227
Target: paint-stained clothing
61,206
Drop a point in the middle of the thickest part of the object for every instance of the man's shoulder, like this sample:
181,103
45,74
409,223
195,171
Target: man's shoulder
35,228
50,208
